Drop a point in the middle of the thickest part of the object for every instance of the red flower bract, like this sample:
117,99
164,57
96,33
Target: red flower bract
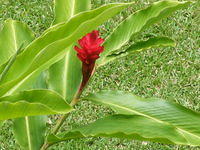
88,53
90,47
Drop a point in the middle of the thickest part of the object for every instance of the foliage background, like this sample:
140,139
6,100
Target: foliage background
169,73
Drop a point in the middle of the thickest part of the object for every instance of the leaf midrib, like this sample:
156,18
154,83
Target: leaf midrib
28,132
14,35
73,9
65,73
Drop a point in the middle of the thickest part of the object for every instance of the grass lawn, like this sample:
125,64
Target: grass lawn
168,73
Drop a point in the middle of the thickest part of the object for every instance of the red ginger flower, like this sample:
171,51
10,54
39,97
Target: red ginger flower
88,53
90,47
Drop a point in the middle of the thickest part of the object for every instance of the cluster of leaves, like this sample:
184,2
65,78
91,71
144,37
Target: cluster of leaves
24,59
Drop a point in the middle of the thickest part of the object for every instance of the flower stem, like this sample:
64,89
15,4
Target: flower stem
59,123
45,146
64,117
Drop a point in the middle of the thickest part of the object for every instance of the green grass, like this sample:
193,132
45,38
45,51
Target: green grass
168,73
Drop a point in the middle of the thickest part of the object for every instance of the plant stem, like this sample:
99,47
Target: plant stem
62,120
59,123
44,146
64,117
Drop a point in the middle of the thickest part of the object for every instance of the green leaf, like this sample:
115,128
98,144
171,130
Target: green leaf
141,46
13,38
126,126
50,47
32,103
65,76
62,36
137,22
30,132
65,9
186,121
5,67
15,33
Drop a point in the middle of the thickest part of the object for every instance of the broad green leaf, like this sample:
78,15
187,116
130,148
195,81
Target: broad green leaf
19,36
137,22
32,103
126,126
141,46
30,132
65,9
12,36
50,47
65,76
185,120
